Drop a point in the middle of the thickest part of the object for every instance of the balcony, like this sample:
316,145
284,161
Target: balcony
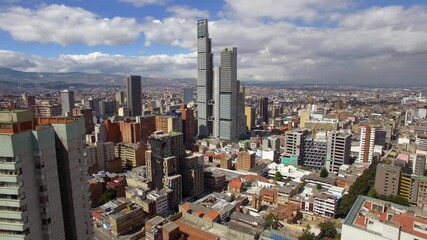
10,165
11,190
13,215
11,202
10,178
13,226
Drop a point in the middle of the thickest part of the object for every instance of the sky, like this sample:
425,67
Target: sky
343,42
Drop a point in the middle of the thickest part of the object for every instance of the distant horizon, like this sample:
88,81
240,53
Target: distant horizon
285,83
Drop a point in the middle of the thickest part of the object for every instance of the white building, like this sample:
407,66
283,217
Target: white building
325,205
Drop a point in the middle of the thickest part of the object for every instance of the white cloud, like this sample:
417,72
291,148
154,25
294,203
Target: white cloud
178,66
187,12
66,25
308,10
142,3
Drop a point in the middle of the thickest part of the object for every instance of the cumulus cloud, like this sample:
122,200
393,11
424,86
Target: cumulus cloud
315,41
66,25
142,3
179,65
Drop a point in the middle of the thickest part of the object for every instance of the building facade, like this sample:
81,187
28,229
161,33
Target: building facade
134,95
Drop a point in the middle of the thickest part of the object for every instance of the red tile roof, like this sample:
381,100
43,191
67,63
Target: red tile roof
235,183
211,215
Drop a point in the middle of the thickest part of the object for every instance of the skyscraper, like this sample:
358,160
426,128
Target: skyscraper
204,80
134,96
120,98
228,95
67,102
38,152
250,117
188,95
263,109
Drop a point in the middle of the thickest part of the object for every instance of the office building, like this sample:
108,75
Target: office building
131,154
134,95
67,102
419,165
189,125
294,143
188,95
163,157
263,109
93,103
130,132
250,117
315,151
87,115
387,179
369,138
107,108
338,150
120,98
204,80
192,176
227,122
29,100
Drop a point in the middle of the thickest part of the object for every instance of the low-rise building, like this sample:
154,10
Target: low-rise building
373,219
325,205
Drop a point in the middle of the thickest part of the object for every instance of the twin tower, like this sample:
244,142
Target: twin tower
220,98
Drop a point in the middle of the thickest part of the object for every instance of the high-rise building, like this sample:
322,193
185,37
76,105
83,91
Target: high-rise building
228,96
107,108
131,154
338,150
294,143
387,179
163,157
120,98
29,100
419,165
250,117
134,95
263,109
188,95
315,151
189,125
87,115
28,154
369,138
67,102
93,103
204,80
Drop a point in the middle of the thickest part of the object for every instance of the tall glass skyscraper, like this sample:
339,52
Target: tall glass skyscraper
204,80
134,96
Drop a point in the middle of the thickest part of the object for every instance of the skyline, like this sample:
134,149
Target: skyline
317,42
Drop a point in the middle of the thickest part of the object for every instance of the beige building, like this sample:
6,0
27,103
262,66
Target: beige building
132,154
387,179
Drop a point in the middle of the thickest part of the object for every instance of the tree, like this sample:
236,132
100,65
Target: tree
306,234
278,176
272,221
108,195
324,173
327,229
372,193
318,187
361,186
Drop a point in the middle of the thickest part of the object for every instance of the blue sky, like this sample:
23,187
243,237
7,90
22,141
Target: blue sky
325,41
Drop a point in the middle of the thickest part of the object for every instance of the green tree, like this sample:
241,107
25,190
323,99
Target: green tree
327,229
324,173
361,186
306,234
271,221
372,193
107,196
278,176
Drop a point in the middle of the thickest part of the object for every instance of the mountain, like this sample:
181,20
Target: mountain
83,79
